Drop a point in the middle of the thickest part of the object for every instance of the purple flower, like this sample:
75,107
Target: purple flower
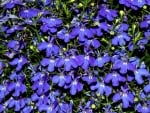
29,13
41,87
68,62
2,65
64,35
50,108
18,87
146,22
125,96
143,108
50,47
86,108
50,24
86,61
82,33
65,108
109,14
19,62
61,79
120,39
2,108
123,65
40,100
17,104
115,78
75,86
101,60
16,45
16,76
101,88
147,88
27,109
103,26
3,90
50,62
139,74
12,3
15,28
92,42
89,78
121,27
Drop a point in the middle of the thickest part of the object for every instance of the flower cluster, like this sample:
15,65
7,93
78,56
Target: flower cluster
74,56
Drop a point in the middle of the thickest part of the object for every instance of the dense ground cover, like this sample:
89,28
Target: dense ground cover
74,56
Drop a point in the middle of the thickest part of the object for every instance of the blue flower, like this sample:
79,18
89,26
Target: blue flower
3,90
40,100
115,78
121,27
15,28
19,62
29,13
17,104
50,47
147,88
65,108
109,14
123,65
139,74
125,96
41,86
89,78
101,88
16,45
68,62
82,33
143,108
50,62
146,22
64,35
50,24
75,86
139,3
86,61
18,87
120,39
61,79
9,4
50,108
92,42
2,65
101,60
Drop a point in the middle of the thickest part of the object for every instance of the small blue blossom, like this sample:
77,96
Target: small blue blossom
61,79
109,14
18,62
115,78
143,108
64,35
75,87
29,13
50,47
41,86
123,65
101,88
121,39
125,96
82,33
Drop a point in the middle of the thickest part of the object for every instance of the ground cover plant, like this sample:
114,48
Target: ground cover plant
74,56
